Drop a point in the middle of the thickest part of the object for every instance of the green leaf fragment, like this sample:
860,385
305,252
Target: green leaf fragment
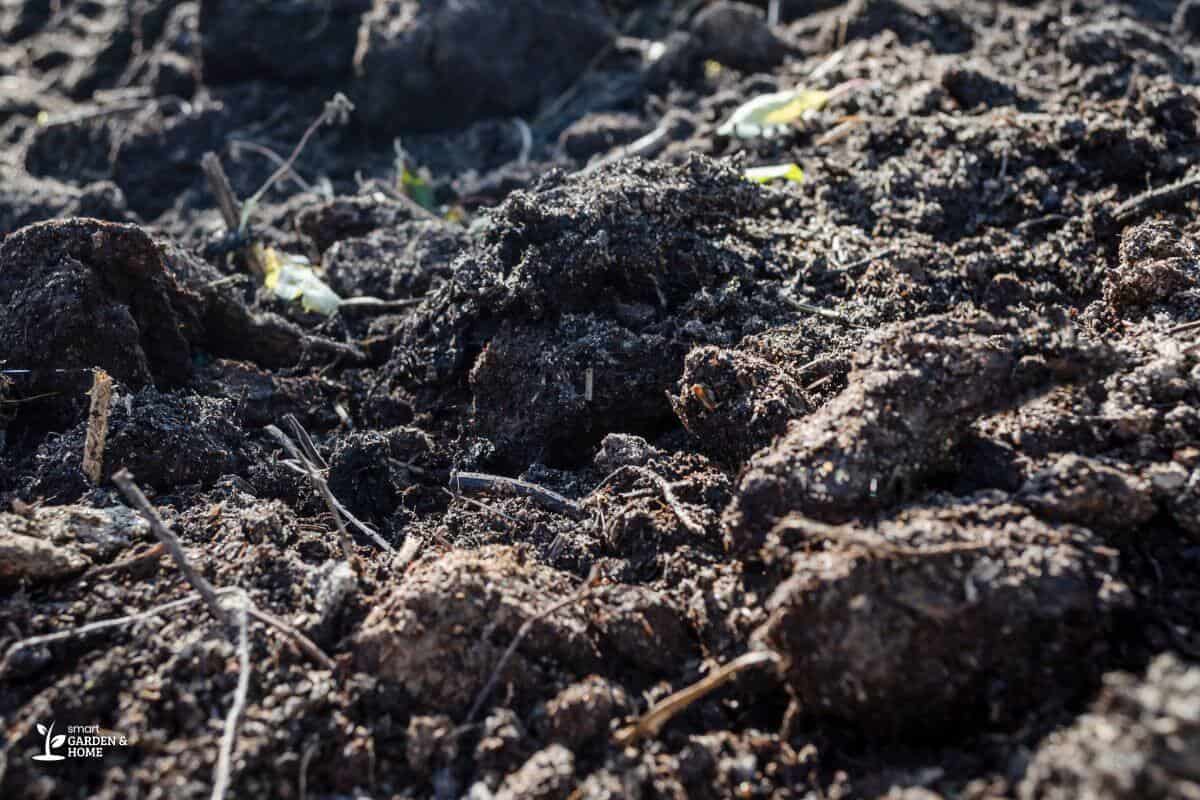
418,188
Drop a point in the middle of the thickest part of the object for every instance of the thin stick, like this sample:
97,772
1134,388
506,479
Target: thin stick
1187,327
149,556
92,627
822,312
368,304
645,146
97,427
478,481
303,642
306,442
583,591
305,471
218,184
233,719
471,501
668,493
273,157
124,482
303,465
362,526
335,110
309,751
1157,199
650,723
87,115
526,140
862,262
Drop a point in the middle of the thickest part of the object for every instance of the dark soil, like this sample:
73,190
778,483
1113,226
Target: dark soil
923,427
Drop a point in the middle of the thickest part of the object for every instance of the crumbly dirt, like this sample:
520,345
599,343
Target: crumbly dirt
923,428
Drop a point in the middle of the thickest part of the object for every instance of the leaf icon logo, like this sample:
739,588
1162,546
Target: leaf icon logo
48,743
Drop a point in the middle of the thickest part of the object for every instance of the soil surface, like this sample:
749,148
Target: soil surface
913,442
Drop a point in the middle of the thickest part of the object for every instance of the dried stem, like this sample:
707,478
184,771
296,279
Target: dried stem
1187,327
1157,199
97,428
650,723
151,555
124,482
306,442
233,719
304,464
583,591
90,114
218,183
668,493
822,312
238,145
303,642
93,627
478,481
308,646
335,111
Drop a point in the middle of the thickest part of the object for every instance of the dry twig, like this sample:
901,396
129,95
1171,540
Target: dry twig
233,719
90,114
97,427
471,501
335,112
307,645
478,482
822,312
1157,199
93,627
1187,327
303,642
149,556
665,487
583,591
218,184
237,146
650,723
124,482
304,464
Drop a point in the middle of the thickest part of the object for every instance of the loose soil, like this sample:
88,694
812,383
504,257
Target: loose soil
924,426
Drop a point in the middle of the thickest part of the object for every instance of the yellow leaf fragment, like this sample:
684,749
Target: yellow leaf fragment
769,114
788,172
291,278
